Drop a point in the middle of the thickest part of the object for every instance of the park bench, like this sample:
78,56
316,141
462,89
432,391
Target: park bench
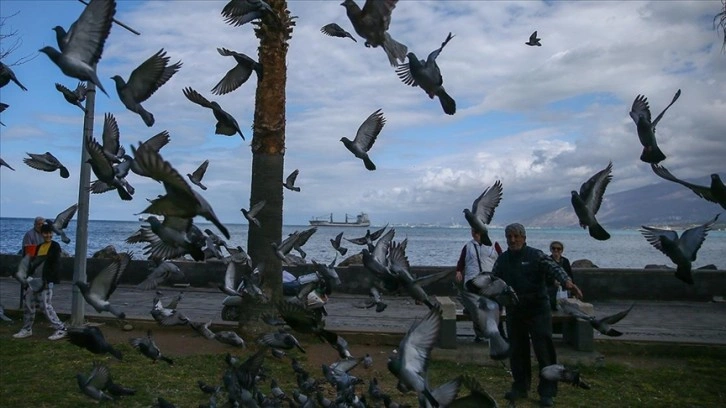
575,332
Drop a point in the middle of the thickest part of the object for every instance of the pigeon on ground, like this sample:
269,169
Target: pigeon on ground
336,244
478,397
239,12
92,339
96,381
74,97
533,40
180,199
46,162
365,137
229,337
196,177
60,222
4,163
148,348
226,123
3,106
280,340
427,75
715,193
410,363
486,313
367,361
208,389
104,284
161,272
602,324
482,211
3,316
640,113
290,181
146,79
203,329
681,251
81,47
252,213
587,202
237,76
103,167
7,75
162,403
558,372
372,23
334,30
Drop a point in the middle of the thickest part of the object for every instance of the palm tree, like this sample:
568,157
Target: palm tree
721,26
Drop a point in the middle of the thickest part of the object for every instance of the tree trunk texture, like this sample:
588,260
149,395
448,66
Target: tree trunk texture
268,150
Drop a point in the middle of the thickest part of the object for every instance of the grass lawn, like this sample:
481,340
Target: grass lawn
36,372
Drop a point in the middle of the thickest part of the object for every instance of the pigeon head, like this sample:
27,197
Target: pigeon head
117,79
51,52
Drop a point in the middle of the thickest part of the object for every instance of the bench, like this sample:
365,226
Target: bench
575,332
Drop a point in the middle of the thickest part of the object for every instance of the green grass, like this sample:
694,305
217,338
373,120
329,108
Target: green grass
36,372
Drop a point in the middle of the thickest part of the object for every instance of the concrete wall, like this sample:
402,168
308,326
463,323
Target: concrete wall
596,283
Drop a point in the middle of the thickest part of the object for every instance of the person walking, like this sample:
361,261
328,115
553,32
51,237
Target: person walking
44,268
525,269
475,258
556,249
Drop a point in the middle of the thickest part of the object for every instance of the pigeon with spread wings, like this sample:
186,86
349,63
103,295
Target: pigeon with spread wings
372,24
640,113
587,202
104,284
334,30
46,162
74,97
365,137
198,174
239,74
715,193
482,211
60,222
226,123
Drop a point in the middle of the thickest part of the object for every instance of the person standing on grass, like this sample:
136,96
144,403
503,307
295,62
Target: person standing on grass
556,249
44,266
525,269
475,258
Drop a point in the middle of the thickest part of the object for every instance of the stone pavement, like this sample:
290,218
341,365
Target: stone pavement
649,321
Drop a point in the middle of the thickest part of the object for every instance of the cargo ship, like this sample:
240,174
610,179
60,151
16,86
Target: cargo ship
361,220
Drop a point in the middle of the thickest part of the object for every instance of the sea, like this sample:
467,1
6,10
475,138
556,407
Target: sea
427,245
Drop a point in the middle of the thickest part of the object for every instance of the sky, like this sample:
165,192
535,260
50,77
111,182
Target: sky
540,119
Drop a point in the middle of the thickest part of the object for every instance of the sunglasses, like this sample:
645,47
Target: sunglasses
555,249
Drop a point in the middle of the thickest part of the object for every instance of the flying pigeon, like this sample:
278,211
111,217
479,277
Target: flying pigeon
180,199
104,284
715,193
558,372
155,142
92,339
485,312
252,213
290,181
410,363
302,239
426,74
172,238
74,97
239,12
533,40
334,30
196,177
226,124
4,163
336,244
587,202
148,348
81,47
640,113
46,162
7,75
146,79
161,272
103,167
60,222
482,211
237,76
372,23
681,251
602,324
365,137
3,106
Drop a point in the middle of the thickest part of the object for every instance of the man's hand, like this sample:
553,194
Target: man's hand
458,277
570,285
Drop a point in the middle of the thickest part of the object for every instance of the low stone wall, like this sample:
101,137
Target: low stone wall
596,283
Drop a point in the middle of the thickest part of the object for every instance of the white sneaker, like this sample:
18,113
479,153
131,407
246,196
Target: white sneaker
23,333
59,334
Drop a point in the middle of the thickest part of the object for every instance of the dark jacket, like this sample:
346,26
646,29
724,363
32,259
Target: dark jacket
526,271
49,262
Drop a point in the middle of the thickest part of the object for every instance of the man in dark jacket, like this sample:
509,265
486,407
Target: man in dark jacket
525,269
42,276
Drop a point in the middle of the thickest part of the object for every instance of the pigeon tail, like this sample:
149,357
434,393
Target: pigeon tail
369,164
684,273
147,117
447,102
652,154
598,232
166,360
124,194
394,50
498,347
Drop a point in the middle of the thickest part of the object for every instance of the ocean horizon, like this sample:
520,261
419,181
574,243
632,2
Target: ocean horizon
428,245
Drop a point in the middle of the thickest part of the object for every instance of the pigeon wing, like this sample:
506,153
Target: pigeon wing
435,53
652,235
701,191
692,239
484,206
151,75
256,208
640,109
369,130
593,189
157,141
38,162
380,251
235,77
379,12
62,219
161,170
197,98
105,282
290,180
99,376
304,236
416,346
404,73
660,115
199,172
99,163
87,35
614,318
110,134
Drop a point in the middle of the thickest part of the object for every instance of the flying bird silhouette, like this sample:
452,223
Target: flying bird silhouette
587,202
4,163
239,12
237,76
74,97
226,124
146,79
46,162
482,211
253,211
334,30
7,75
60,222
81,47
640,113
533,40
104,284
290,181
365,137
198,174
715,193
372,24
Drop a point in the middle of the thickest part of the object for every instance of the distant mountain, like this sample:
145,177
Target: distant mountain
658,204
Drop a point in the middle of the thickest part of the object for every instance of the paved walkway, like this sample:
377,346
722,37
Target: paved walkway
656,321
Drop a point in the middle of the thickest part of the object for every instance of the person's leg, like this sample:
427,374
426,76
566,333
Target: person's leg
28,314
544,350
46,297
519,360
